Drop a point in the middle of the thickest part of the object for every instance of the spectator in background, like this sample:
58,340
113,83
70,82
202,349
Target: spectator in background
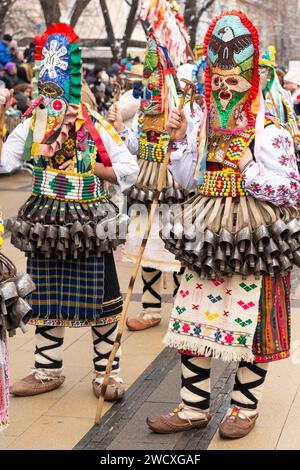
11,74
292,84
4,49
4,78
25,73
23,96
30,50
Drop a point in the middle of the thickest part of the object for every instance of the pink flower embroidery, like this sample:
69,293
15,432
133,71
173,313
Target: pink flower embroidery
283,160
229,338
186,328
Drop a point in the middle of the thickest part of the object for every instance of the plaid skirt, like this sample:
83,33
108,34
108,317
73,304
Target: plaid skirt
74,293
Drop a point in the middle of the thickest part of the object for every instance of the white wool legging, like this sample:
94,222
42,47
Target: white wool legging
152,287
195,390
49,348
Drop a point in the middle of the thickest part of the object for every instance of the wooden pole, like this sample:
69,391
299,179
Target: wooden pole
160,186
2,116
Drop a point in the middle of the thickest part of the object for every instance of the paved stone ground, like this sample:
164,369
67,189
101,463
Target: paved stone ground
60,419
156,392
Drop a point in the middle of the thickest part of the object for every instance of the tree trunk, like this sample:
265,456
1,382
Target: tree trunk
109,29
192,16
4,7
132,20
77,10
51,11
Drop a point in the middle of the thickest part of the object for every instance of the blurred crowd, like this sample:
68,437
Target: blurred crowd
16,72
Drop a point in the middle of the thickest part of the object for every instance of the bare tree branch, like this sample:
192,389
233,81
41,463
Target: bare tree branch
109,29
77,11
192,16
132,20
51,11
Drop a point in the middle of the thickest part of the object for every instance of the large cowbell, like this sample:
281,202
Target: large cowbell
54,89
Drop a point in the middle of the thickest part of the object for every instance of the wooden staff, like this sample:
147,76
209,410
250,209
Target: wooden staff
160,186
2,116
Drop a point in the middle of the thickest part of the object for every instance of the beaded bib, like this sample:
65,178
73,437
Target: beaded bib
152,150
79,184
227,151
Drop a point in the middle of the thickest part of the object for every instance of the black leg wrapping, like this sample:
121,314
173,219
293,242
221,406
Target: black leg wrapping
245,388
192,385
103,341
40,350
148,289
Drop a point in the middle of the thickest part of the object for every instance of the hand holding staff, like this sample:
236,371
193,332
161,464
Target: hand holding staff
160,186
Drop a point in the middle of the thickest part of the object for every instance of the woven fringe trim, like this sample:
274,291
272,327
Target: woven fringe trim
204,348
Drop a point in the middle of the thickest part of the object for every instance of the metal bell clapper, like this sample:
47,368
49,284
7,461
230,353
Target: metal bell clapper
243,239
271,251
63,236
284,263
245,270
76,233
261,237
220,259
226,241
61,251
209,267
274,267
260,268
170,194
51,235
46,249
236,260
89,235
38,234
251,255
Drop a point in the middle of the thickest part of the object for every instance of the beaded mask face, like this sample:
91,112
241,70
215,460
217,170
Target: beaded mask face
59,81
157,65
153,91
232,78
266,68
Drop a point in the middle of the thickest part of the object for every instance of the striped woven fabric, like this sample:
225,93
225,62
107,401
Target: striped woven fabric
81,292
273,331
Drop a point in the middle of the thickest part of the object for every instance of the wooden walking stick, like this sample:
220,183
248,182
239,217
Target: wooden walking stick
160,185
2,116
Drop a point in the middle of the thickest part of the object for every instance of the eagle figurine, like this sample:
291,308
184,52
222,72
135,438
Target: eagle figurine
227,45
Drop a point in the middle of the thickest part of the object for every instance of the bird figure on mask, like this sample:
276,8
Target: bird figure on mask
226,45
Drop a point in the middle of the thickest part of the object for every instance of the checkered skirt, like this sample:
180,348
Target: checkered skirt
82,292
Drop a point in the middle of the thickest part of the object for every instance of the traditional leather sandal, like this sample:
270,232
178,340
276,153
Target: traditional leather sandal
171,423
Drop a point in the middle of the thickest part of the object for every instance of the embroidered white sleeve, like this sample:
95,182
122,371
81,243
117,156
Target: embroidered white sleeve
276,179
184,158
123,162
131,137
13,149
